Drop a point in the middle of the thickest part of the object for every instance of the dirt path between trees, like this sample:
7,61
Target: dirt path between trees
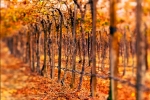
13,74
18,83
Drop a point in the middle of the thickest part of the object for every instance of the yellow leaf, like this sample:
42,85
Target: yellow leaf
119,86
133,94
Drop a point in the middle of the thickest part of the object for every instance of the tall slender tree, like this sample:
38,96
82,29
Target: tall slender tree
74,46
140,53
38,48
53,46
114,51
82,12
93,69
44,68
60,43
29,47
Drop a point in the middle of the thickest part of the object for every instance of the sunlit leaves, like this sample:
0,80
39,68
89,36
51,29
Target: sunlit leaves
20,14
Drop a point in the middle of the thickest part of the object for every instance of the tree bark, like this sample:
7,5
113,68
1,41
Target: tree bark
74,47
114,51
83,46
60,45
140,47
93,69
38,49
44,68
52,57
29,49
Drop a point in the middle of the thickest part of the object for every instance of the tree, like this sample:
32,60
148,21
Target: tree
74,46
93,69
44,68
140,53
114,51
60,43
38,48
28,47
82,12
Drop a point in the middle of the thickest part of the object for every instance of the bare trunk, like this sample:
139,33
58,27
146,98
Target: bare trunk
125,54
74,47
79,51
146,47
83,46
33,51
29,49
140,47
93,69
60,45
52,58
44,68
38,50
88,42
67,59
49,48
114,51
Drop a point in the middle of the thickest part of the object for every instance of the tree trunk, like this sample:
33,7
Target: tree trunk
33,51
114,53
125,53
74,47
52,57
79,51
67,53
83,46
140,47
29,49
60,45
93,69
146,47
49,47
88,42
15,47
44,68
38,50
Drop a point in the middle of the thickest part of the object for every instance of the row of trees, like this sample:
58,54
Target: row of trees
51,31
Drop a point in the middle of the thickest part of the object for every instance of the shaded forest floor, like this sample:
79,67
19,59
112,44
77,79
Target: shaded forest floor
19,83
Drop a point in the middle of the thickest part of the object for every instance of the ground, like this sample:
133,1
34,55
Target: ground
19,83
